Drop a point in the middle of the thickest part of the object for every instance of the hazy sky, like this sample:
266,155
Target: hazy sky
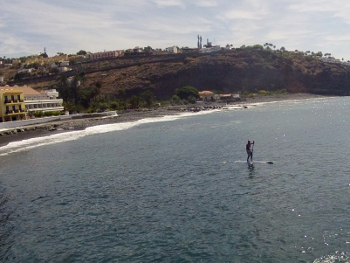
27,26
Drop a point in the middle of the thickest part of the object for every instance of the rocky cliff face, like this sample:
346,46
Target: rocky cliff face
228,71
233,71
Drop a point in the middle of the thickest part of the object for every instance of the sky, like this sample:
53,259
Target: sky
68,26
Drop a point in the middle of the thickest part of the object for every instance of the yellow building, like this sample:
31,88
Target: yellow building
12,107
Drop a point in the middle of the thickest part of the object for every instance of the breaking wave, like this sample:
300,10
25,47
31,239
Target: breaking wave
27,144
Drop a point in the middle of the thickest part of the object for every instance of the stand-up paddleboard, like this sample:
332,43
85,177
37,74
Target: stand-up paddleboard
266,162
251,155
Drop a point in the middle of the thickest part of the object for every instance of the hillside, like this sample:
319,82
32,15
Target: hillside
228,71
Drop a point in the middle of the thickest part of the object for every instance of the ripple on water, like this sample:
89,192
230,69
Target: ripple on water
335,258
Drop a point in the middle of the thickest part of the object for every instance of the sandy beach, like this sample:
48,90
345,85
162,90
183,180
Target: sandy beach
39,130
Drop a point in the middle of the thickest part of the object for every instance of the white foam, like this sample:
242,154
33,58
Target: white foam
257,104
28,144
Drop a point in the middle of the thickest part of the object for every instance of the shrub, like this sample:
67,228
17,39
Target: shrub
39,114
186,92
192,100
176,99
102,106
263,92
114,105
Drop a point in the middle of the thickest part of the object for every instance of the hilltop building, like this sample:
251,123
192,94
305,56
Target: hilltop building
43,60
172,50
211,49
189,50
62,66
106,54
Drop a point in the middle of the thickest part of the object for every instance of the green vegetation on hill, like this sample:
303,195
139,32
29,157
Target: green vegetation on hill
137,81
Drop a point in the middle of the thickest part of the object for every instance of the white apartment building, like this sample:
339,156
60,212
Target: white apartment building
46,100
210,49
106,54
172,50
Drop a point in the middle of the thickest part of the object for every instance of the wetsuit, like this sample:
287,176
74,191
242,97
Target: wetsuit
249,151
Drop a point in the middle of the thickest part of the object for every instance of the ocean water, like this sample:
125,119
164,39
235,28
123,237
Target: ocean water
178,189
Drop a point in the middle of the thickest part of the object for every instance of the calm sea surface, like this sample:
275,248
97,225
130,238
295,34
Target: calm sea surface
177,189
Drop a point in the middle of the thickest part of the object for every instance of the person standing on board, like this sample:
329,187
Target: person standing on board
249,151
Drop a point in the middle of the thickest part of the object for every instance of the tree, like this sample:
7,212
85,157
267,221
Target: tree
89,96
148,98
63,87
134,101
258,47
81,52
23,59
121,94
74,88
44,55
148,50
187,91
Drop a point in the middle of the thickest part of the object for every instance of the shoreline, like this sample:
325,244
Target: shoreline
39,130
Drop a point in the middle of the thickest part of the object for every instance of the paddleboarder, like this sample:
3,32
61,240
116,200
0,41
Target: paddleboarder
249,151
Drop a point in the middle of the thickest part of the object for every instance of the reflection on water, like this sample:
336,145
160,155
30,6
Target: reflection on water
182,191
251,170
6,229
338,257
